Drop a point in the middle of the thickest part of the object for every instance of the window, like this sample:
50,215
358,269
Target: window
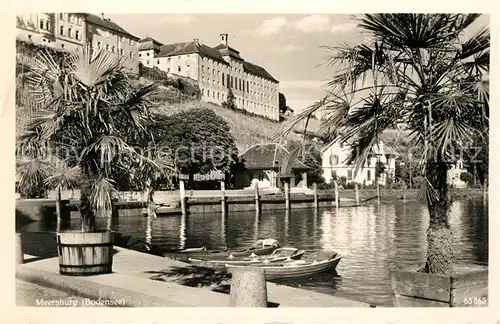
157,61
123,39
349,174
62,45
42,24
223,96
61,30
168,69
208,93
98,44
140,54
248,85
107,48
61,16
168,59
79,20
231,81
121,51
228,79
213,94
179,69
70,33
188,65
77,34
72,19
240,84
368,175
112,49
147,54
223,78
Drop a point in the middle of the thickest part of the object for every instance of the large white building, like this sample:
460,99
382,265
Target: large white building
335,155
68,31
217,69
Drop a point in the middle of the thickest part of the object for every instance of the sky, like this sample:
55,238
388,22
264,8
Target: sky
288,46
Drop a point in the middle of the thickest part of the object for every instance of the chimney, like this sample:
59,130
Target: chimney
223,39
102,16
196,41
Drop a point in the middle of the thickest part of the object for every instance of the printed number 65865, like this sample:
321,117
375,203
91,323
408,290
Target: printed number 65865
475,301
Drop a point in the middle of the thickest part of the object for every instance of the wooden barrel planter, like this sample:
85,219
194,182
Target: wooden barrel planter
85,254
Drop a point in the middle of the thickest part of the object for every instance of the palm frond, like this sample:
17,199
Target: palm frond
102,192
93,67
64,177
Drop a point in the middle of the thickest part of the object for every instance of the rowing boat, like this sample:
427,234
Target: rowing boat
294,268
279,255
261,247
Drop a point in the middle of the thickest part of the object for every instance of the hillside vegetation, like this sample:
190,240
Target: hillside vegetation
246,130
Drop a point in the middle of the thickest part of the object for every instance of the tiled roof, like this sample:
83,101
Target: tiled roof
150,39
261,156
227,50
258,71
96,20
189,48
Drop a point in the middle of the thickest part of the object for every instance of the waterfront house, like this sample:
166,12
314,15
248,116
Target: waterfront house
335,155
267,165
454,175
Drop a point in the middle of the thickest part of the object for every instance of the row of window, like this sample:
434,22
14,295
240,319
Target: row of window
113,49
265,87
74,19
69,33
240,102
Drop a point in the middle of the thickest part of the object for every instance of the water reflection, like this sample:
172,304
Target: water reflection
372,239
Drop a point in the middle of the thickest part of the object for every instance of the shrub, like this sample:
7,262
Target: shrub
466,177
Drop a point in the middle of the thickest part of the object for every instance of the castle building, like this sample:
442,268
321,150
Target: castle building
217,69
67,31
148,49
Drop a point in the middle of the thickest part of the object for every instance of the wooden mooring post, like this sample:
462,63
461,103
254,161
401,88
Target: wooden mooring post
315,193
183,197
59,208
287,196
485,190
404,193
257,198
223,198
356,193
378,193
336,194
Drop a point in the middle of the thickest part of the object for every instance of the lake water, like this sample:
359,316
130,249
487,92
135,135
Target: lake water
372,239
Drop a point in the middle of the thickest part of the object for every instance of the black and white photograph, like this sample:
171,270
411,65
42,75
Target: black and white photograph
267,160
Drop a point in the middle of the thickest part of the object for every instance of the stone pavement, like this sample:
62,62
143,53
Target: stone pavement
130,283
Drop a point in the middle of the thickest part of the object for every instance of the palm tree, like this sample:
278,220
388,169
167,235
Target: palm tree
88,107
417,70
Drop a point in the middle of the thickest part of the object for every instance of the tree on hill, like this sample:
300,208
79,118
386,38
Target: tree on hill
312,158
282,103
284,109
230,101
197,141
